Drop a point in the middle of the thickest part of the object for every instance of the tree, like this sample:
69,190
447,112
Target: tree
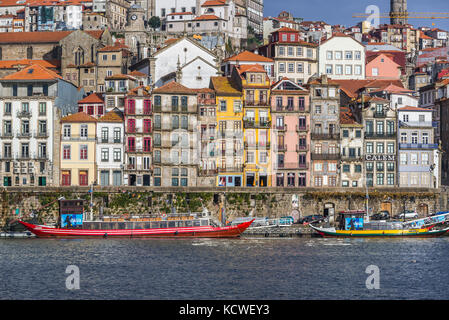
154,22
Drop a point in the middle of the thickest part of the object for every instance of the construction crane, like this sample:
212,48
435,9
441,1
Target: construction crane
406,15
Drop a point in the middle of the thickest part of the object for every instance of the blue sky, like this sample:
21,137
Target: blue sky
341,11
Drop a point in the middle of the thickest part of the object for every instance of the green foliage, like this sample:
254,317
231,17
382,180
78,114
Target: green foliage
154,22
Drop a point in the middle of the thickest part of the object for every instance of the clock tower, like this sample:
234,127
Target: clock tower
135,35
136,18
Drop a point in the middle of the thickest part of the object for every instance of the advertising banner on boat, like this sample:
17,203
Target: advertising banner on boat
438,218
354,223
71,220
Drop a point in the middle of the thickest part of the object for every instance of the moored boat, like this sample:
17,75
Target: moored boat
352,224
148,230
422,232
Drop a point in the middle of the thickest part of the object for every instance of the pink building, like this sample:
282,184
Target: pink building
382,66
93,105
290,135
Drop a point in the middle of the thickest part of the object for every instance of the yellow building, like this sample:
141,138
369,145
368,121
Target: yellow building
254,83
229,143
78,134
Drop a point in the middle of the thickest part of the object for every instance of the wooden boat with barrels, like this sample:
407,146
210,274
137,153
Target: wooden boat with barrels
192,228
352,224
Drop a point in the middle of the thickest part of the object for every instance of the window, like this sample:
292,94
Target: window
300,68
348,70
329,55
390,179
369,147
380,147
299,51
390,147
83,131
339,69
281,67
328,69
338,55
223,105
358,55
104,154
291,67
358,70
346,168
290,51
117,155
348,55
380,179
281,51
83,152
66,152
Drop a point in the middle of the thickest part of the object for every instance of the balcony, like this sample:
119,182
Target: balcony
302,128
157,108
293,165
23,114
41,135
325,136
281,148
380,135
77,137
256,103
109,140
264,146
6,135
252,124
325,156
418,146
302,147
287,108
411,124
351,158
280,127
379,114
138,150
207,172
23,135
231,169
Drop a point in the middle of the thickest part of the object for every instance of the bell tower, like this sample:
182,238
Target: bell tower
398,12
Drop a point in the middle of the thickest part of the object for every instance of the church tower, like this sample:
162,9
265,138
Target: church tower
398,12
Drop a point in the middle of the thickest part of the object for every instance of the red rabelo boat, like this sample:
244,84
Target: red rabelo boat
152,230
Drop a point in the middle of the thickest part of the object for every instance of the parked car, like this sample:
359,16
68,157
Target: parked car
382,215
311,218
408,214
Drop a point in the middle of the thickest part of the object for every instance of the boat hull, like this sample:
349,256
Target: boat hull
187,232
418,233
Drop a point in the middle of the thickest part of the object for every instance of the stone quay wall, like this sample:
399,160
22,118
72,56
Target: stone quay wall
240,202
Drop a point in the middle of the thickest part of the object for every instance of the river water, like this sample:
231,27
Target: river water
244,268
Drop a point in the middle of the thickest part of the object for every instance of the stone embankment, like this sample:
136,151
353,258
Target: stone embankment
292,231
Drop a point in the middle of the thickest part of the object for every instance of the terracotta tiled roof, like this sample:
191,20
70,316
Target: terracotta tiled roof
249,56
10,64
111,116
79,117
33,37
180,14
92,98
173,87
286,29
138,74
118,77
250,68
169,41
213,3
346,117
225,86
114,48
352,87
207,17
33,72
41,36
11,3
145,91
410,108
391,88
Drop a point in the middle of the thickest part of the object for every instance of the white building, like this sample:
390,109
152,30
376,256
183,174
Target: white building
110,149
184,54
32,100
418,166
342,58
